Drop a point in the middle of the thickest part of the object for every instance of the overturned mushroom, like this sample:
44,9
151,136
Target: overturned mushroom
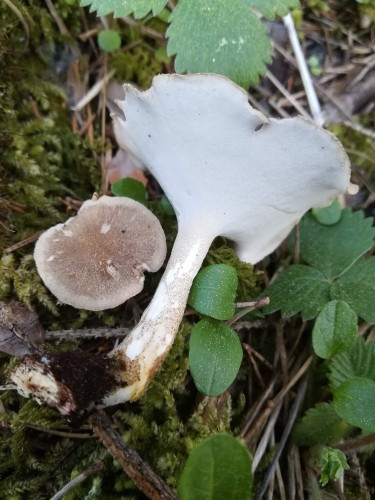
96,260
228,170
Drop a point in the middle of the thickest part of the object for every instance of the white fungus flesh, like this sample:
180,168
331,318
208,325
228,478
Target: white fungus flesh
96,260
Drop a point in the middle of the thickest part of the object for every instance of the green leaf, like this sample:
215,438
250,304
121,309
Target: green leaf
298,289
320,425
333,463
335,329
358,362
354,401
333,249
219,468
214,291
131,188
109,40
219,36
215,356
272,8
357,288
167,206
121,8
328,215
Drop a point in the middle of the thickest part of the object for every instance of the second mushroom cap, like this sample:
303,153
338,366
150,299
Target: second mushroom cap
96,260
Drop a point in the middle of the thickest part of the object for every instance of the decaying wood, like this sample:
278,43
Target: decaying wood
138,470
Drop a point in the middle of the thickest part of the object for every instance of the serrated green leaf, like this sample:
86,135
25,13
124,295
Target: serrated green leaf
320,425
121,8
333,463
328,215
335,329
357,288
219,468
333,249
358,362
215,356
109,40
214,291
131,188
219,37
354,401
298,289
272,8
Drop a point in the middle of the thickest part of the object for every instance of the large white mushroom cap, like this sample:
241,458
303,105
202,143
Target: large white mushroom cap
96,260
220,161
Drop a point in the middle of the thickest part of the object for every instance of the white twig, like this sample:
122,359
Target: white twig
304,71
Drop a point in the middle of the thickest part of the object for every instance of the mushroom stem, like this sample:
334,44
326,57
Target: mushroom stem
145,348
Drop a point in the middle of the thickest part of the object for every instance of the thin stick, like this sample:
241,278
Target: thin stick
70,435
288,95
304,71
355,444
94,469
8,387
23,243
86,333
288,428
93,92
22,20
254,305
60,23
139,471
263,443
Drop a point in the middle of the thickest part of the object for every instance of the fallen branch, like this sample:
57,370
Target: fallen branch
139,471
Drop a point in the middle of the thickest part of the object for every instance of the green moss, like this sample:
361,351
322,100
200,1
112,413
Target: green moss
137,65
248,278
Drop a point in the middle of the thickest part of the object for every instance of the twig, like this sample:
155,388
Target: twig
355,444
70,435
266,437
288,95
8,387
93,92
23,243
304,71
143,29
138,470
60,23
86,333
254,305
21,18
94,469
288,428
254,410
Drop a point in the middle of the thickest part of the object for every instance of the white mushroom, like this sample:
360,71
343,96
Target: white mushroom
96,260
229,171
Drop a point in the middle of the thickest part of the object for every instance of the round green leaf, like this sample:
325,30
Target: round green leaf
109,40
335,329
219,468
328,215
354,401
214,291
130,188
215,356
